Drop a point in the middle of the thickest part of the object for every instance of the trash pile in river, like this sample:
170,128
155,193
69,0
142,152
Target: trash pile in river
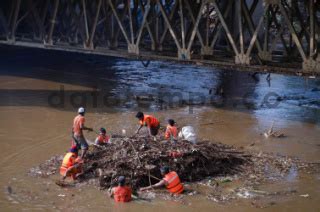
139,159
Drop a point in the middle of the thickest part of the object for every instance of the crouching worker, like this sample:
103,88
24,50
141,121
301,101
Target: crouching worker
150,122
171,133
170,180
103,138
71,164
121,193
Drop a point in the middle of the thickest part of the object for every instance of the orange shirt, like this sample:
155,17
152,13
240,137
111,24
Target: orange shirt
174,185
171,131
68,161
102,139
78,122
122,194
150,121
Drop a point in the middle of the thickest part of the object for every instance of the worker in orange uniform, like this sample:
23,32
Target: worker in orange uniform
150,122
170,180
171,133
71,164
103,138
77,131
121,193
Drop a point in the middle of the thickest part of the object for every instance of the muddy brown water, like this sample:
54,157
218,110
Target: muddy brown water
40,91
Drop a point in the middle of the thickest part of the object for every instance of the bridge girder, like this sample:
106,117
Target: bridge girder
264,33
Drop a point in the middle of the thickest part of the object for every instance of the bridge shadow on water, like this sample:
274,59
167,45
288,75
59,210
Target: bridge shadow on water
63,80
56,66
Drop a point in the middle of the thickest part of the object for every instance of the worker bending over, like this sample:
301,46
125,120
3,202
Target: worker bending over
103,138
171,133
170,180
150,122
77,131
121,193
71,164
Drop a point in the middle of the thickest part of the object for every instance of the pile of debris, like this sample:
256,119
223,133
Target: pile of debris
139,159
210,165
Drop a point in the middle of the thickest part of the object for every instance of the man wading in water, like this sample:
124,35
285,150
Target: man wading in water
77,131
122,193
170,180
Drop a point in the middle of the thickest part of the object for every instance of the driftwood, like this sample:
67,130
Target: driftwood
272,133
139,160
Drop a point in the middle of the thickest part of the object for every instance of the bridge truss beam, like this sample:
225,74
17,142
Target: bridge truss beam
271,34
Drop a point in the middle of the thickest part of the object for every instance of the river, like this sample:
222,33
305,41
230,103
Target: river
40,92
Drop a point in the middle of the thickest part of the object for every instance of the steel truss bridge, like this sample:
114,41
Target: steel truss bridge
258,35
